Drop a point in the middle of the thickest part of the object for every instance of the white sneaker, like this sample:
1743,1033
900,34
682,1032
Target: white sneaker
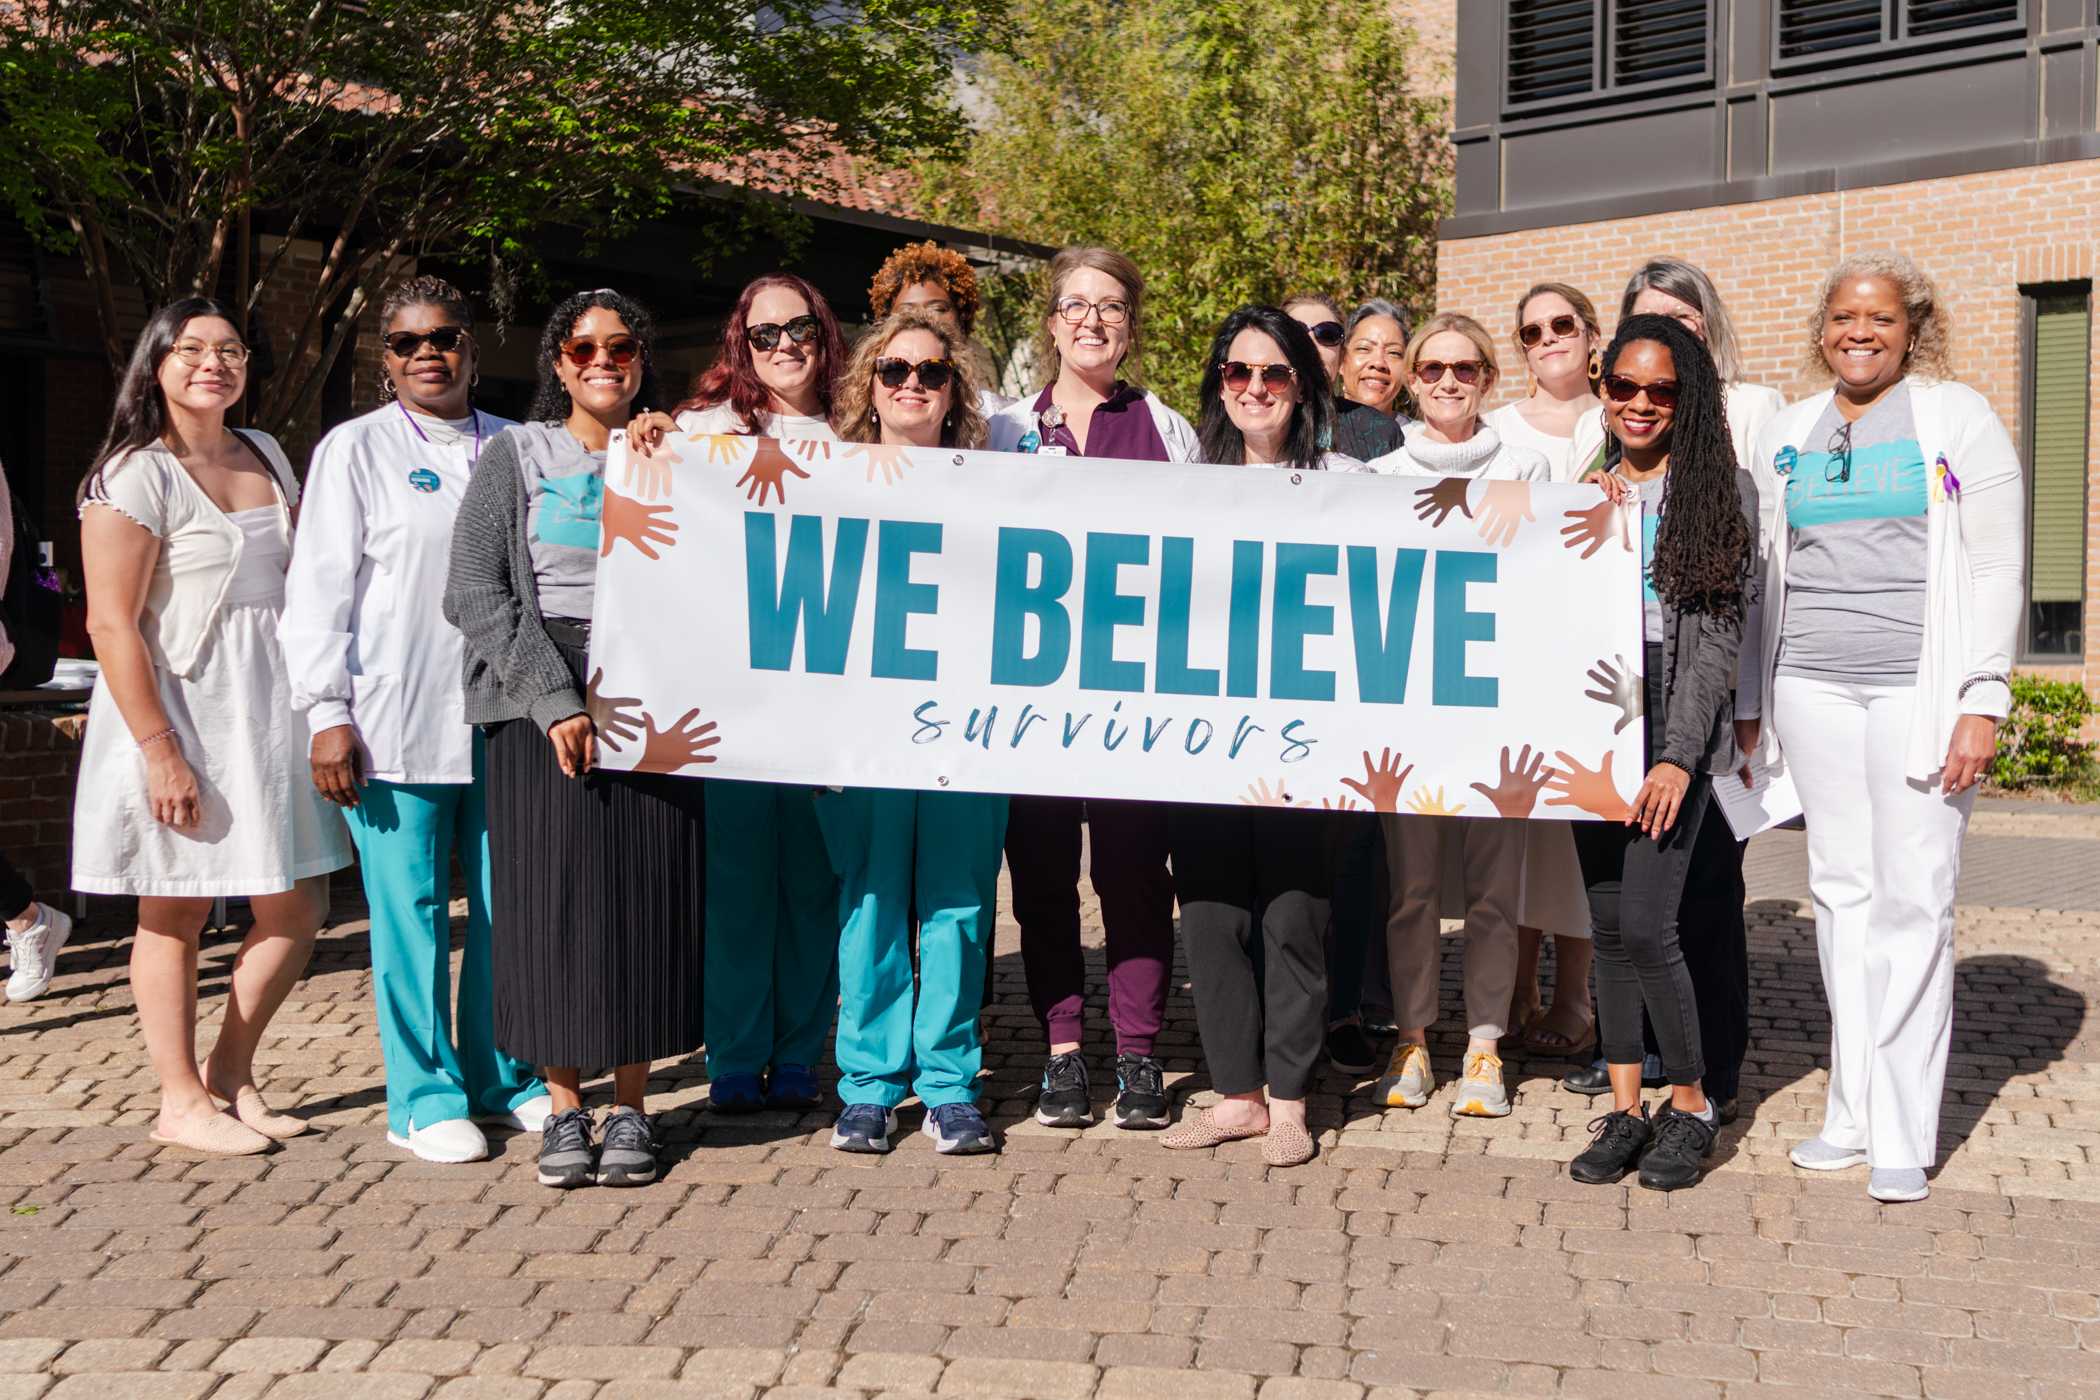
453,1141
1816,1155
35,953
528,1117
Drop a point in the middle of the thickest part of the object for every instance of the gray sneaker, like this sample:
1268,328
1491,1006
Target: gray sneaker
627,1156
1895,1184
1816,1155
565,1150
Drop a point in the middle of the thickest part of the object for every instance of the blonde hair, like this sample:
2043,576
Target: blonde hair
1585,309
1110,263
853,412
1930,330
1464,325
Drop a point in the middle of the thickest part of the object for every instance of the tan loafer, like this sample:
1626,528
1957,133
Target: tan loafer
1202,1130
1287,1145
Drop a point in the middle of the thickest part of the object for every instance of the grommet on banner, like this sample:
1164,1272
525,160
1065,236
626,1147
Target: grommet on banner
1297,478
942,780
956,459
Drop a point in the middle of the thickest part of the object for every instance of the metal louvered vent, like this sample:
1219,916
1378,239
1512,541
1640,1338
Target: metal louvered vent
1923,17
1808,28
1654,40
1552,49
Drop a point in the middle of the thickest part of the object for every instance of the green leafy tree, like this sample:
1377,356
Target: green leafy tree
178,146
1237,154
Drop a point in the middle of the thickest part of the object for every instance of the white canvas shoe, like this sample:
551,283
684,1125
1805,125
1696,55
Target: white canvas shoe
35,953
453,1141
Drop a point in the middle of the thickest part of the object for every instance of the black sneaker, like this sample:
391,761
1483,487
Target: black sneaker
1141,1092
627,1154
565,1151
1066,1099
1350,1050
1726,1111
1676,1156
1620,1139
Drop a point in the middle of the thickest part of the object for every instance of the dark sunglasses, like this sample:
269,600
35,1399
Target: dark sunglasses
932,374
444,340
1327,333
581,350
1563,328
802,330
1619,389
1239,374
1466,372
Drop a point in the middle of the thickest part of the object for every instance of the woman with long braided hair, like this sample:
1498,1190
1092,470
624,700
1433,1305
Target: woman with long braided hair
1665,411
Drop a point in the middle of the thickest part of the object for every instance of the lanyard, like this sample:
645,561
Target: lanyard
417,428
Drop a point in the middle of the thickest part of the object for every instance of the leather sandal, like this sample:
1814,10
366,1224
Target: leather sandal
1202,1130
1287,1145
1546,1036
215,1136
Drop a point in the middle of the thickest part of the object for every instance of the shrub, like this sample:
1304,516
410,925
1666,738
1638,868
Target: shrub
2038,746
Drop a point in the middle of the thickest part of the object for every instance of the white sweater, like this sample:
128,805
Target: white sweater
1481,457
1975,576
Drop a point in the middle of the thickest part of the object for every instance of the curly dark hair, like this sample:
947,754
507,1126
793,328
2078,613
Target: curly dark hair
927,262
1312,420
550,402
1702,543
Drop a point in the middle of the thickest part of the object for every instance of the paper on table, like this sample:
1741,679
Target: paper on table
1769,800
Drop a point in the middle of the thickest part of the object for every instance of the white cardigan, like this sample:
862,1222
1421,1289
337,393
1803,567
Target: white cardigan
1975,581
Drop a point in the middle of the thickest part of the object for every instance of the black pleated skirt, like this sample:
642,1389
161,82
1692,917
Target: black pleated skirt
599,890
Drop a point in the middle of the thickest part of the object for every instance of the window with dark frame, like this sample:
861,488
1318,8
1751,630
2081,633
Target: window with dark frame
1809,31
2058,323
1562,49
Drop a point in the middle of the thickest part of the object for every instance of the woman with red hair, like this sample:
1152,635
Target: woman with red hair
772,899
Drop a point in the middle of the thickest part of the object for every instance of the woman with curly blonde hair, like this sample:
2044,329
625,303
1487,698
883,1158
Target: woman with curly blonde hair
929,859
1892,526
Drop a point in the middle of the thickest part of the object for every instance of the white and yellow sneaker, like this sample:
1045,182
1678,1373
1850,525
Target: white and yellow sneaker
1480,1090
1408,1081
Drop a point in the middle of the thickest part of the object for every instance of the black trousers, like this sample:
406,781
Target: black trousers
1636,886
1245,874
15,892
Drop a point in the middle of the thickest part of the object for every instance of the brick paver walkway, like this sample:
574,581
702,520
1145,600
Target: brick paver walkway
1415,1256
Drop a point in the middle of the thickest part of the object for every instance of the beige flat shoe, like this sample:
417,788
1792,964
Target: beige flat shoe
1287,1145
252,1109
1202,1130
216,1136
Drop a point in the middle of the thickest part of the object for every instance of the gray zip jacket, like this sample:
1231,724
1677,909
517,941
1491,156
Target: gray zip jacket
513,670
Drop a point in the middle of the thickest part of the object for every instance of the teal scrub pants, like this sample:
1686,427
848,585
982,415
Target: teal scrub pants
406,834
933,855
772,928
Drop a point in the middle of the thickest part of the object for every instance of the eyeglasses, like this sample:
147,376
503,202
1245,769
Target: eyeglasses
1239,374
444,340
1327,333
802,330
1112,312
1466,372
931,374
195,352
581,350
1619,389
1563,328
1838,469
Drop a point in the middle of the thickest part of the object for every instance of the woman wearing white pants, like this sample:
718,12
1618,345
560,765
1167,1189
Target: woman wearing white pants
1893,519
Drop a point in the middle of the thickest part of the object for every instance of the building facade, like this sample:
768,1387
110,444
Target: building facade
1763,140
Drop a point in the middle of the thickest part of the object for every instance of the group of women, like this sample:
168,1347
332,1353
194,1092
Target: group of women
1813,590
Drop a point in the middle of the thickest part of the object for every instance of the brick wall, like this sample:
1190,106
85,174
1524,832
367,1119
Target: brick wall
39,761
1980,237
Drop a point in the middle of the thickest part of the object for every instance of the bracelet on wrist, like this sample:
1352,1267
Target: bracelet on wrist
160,736
1980,678
1678,764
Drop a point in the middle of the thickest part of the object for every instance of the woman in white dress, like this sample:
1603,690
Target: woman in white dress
1562,420
193,776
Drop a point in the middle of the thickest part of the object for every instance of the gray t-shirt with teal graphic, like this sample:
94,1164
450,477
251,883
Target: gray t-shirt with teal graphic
564,493
1855,574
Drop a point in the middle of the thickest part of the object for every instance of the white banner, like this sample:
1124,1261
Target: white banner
861,616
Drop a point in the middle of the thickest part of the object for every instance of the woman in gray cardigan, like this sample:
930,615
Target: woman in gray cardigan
598,878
